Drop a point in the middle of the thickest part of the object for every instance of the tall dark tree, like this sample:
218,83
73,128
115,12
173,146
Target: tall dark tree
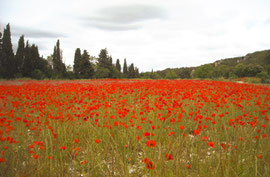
86,69
77,59
59,67
131,71
27,66
103,59
20,56
125,68
8,59
105,65
35,58
137,74
118,66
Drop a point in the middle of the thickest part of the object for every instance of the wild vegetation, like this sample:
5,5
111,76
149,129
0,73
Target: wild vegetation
134,128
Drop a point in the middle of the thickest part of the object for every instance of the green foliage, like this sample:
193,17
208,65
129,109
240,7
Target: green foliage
155,75
19,58
221,71
59,67
76,66
252,70
102,72
131,71
171,75
37,74
239,70
118,66
86,69
263,75
115,73
104,60
125,69
204,71
8,60
137,73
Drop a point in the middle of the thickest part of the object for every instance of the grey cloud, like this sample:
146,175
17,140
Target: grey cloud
34,33
114,27
128,17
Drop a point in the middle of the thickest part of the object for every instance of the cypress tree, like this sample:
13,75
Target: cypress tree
59,67
125,69
137,74
20,56
27,64
9,68
131,71
77,59
118,66
35,58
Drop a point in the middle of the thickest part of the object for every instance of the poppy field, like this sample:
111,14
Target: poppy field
134,128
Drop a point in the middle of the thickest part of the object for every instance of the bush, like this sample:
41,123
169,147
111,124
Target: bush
102,72
37,74
171,75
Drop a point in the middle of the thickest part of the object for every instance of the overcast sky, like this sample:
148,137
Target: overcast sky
152,34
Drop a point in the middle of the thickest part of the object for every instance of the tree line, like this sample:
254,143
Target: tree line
27,62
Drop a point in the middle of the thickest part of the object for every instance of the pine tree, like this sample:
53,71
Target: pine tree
125,69
20,55
118,66
8,59
77,59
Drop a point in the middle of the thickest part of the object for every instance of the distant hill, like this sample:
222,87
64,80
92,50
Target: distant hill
246,66
260,57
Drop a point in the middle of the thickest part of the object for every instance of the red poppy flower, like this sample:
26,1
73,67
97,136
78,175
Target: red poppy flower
169,156
151,143
97,141
63,147
150,165
36,156
211,144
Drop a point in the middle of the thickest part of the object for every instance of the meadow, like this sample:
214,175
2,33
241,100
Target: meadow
134,128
